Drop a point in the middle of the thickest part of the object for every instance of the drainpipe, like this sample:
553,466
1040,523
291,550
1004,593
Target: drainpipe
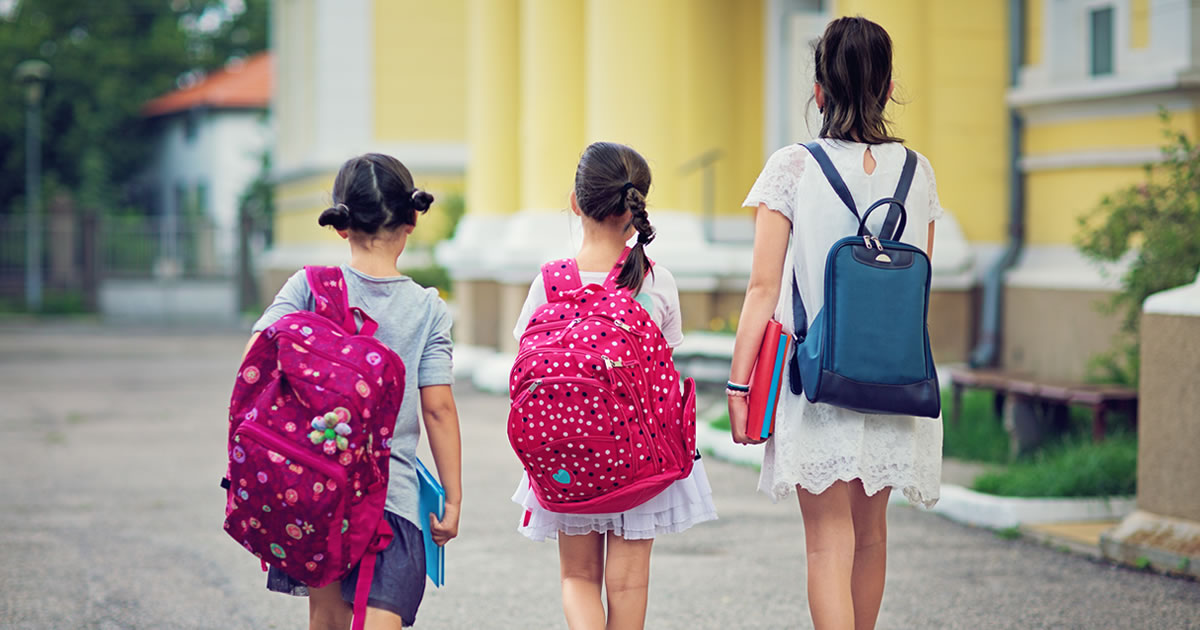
986,353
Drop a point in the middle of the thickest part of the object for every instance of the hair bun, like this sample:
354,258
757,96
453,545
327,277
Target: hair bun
337,217
421,200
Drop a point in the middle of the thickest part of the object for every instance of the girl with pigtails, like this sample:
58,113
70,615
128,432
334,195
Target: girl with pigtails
611,551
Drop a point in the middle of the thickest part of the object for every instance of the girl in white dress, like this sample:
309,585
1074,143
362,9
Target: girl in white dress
841,463
613,550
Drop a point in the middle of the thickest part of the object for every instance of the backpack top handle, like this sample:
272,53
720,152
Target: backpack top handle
900,213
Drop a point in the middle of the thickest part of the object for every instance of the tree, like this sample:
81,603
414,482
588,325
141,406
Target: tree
1159,221
108,60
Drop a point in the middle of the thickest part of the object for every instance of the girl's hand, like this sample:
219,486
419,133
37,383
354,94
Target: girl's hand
447,528
738,409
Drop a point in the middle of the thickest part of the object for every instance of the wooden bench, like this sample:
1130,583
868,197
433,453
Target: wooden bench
1100,399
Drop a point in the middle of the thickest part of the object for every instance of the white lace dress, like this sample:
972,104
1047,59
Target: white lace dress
816,444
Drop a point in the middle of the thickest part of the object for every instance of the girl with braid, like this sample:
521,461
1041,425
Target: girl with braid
612,551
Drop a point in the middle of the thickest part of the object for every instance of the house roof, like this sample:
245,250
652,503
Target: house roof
245,84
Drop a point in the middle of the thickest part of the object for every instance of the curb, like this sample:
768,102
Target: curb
956,503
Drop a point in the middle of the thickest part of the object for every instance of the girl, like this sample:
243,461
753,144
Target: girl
375,208
842,464
611,183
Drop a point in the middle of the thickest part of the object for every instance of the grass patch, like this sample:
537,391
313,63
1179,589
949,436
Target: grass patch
720,424
1009,533
979,435
1075,468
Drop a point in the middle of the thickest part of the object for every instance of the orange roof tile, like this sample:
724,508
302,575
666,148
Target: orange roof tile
238,85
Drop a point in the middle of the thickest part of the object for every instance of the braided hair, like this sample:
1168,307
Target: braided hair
612,180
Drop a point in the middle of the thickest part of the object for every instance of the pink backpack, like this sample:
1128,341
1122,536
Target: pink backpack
310,421
597,416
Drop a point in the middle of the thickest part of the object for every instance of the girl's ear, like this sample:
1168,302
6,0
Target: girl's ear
575,205
891,88
345,234
819,96
408,229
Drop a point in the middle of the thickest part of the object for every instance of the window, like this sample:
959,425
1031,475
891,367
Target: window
1101,23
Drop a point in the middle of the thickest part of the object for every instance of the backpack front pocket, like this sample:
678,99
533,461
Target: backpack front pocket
288,505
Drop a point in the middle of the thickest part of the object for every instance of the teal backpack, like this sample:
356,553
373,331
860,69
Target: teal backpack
868,347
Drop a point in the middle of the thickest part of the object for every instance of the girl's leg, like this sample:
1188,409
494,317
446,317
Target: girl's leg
627,582
870,552
380,619
829,548
581,560
327,610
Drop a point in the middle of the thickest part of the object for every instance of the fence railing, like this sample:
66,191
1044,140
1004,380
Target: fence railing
80,251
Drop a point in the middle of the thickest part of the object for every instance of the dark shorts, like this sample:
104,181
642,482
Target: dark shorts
399,582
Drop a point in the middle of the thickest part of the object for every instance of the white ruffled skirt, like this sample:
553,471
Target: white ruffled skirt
683,504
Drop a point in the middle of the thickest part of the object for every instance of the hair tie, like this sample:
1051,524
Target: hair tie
342,206
626,187
415,191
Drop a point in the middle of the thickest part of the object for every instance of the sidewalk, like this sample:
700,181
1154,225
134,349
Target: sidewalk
111,519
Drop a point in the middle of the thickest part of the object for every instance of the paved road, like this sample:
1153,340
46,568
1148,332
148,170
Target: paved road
111,443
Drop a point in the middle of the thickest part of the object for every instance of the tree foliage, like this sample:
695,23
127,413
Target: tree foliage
108,59
1158,221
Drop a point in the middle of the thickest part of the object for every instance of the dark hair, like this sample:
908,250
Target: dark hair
853,63
374,192
613,179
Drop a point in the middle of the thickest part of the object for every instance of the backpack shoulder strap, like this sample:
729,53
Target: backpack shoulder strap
831,174
610,282
332,300
560,276
889,230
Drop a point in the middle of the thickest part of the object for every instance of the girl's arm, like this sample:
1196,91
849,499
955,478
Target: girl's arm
929,249
441,424
771,232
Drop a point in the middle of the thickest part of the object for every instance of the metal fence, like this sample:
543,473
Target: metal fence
80,250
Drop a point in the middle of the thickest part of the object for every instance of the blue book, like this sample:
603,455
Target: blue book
432,500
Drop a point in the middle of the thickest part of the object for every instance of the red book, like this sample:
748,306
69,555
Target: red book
766,384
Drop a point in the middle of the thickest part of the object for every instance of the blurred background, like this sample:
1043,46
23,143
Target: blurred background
177,151
163,162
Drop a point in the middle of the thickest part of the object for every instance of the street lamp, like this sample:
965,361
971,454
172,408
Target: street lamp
32,74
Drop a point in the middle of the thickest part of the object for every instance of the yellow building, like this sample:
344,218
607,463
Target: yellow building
509,92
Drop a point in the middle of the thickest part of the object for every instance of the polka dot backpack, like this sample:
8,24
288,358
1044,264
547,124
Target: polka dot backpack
598,417
310,425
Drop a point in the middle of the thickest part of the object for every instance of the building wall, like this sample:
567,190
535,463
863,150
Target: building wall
1085,136
358,76
212,166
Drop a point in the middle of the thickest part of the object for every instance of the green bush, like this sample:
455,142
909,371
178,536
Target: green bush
1076,468
1157,221
434,276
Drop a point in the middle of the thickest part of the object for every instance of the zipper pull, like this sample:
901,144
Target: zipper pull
878,245
534,385
623,326
867,241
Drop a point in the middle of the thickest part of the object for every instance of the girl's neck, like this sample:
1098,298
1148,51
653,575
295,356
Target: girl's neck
377,258
602,246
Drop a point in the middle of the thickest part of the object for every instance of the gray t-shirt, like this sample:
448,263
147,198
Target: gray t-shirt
415,323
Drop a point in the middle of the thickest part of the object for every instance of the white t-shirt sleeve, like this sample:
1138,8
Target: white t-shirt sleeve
666,294
776,184
536,298
935,205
